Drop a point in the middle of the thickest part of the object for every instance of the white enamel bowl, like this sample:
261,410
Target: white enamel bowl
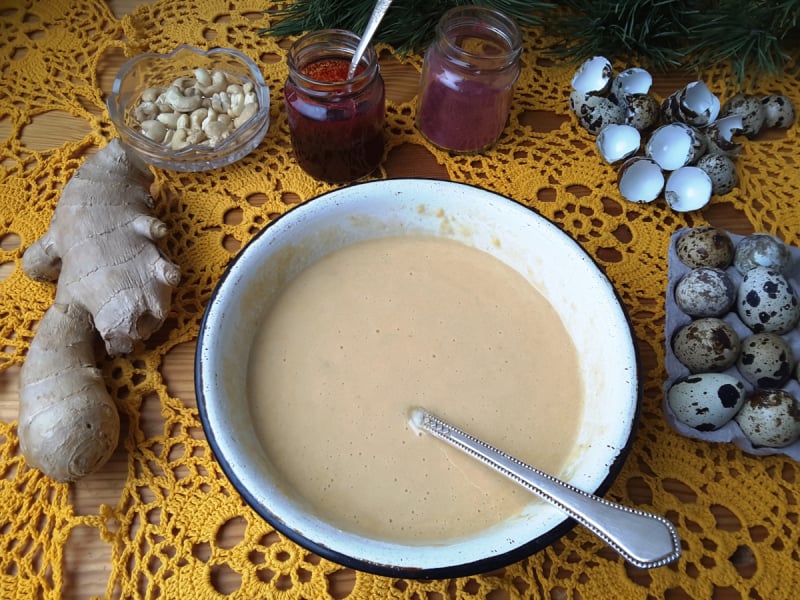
548,258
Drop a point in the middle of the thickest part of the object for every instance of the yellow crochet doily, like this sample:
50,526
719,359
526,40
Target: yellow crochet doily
170,522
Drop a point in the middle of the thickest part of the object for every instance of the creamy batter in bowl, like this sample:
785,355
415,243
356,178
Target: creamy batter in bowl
535,249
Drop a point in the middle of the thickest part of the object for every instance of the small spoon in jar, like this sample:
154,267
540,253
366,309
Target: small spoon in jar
381,6
643,539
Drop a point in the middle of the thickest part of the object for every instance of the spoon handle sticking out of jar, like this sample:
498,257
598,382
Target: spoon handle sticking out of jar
381,6
643,539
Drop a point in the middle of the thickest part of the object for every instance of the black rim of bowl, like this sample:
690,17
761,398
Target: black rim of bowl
483,565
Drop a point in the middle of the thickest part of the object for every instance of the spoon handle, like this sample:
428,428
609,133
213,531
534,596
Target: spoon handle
643,539
381,6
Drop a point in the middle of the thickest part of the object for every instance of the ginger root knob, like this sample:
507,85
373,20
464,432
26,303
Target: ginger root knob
68,424
112,280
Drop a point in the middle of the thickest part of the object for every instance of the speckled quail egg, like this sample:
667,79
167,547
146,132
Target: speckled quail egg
761,250
720,136
694,105
766,302
722,172
642,111
687,188
706,401
675,145
640,179
705,292
766,360
618,142
770,418
751,110
593,76
705,246
778,111
595,112
706,345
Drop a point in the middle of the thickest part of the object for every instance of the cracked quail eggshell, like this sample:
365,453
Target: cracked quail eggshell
750,109
706,345
705,246
687,189
706,401
766,360
674,145
694,104
761,250
770,418
778,111
593,76
719,136
640,179
766,301
618,142
633,80
722,171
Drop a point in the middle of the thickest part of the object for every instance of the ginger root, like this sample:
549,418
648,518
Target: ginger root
111,278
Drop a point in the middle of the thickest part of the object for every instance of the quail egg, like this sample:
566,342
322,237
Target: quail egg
640,179
721,171
766,302
750,109
761,250
595,112
706,345
642,111
687,189
705,246
705,292
706,401
765,360
778,111
618,142
770,418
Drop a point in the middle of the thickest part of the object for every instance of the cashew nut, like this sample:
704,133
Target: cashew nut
248,111
202,109
169,119
154,130
181,103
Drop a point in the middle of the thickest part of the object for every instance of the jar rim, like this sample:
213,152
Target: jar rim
474,20
330,43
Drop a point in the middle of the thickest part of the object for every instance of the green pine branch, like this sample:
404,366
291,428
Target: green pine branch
409,25
755,36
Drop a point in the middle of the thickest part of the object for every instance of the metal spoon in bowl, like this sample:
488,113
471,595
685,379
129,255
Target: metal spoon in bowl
381,6
643,539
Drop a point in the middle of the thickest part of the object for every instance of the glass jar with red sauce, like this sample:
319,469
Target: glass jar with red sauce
468,79
336,123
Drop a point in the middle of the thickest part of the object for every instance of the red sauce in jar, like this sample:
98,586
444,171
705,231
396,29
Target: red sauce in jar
329,70
336,130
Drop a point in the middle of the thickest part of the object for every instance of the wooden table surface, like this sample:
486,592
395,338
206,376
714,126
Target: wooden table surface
87,559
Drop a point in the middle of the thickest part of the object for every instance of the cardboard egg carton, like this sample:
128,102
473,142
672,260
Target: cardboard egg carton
676,318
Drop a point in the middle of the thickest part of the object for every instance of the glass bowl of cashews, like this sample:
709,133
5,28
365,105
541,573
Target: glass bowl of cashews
190,110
